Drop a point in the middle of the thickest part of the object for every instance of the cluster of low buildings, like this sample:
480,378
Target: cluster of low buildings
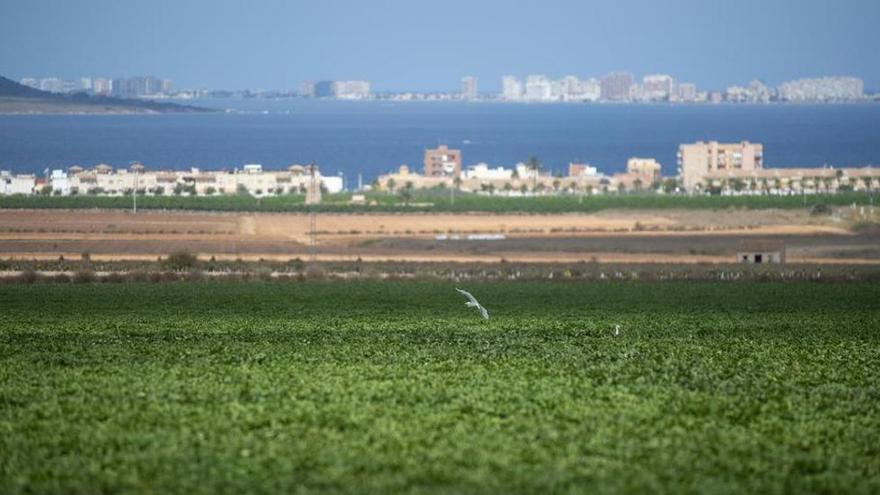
104,180
703,168
442,168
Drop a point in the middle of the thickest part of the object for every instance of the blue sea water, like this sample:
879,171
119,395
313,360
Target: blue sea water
376,137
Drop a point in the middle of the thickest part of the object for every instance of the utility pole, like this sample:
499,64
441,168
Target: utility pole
313,221
134,194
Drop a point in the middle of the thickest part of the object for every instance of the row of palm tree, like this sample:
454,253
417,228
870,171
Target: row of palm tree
765,185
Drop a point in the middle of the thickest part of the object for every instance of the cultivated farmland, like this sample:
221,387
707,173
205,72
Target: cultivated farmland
373,387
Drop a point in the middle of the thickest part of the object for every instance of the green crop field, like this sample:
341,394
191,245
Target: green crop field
438,200
380,387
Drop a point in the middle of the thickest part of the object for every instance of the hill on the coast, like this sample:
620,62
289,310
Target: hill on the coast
17,98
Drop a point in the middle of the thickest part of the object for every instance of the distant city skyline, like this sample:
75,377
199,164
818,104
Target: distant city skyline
465,84
613,87
278,44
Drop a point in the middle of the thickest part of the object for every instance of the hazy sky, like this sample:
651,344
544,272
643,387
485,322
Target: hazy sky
429,45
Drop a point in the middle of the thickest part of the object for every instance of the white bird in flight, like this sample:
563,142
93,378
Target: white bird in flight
473,303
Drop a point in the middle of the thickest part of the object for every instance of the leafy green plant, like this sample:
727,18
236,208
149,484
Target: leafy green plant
181,261
379,387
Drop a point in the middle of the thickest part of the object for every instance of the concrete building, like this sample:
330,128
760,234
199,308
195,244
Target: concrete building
616,86
324,89
60,182
787,181
641,175
486,180
511,88
351,90
251,179
120,87
570,88
698,159
52,84
30,82
102,86
483,171
761,251
341,90
647,167
468,88
758,92
442,162
538,88
394,180
823,89
658,87
591,90
687,92
567,89
581,170
16,184
70,86
307,89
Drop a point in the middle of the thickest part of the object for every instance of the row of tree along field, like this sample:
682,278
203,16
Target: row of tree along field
411,200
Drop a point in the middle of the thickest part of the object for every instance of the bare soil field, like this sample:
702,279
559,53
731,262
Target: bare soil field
685,236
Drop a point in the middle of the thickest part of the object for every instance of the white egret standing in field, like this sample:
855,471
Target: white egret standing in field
616,330
473,303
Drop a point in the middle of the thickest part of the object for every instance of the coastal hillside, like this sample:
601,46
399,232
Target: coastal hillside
16,98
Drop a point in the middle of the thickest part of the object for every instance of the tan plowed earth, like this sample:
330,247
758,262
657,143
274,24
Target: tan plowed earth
122,235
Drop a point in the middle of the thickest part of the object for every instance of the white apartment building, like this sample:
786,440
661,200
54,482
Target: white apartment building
251,178
823,89
60,182
687,92
16,184
52,84
483,171
538,88
590,89
469,87
658,87
511,88
30,82
541,88
102,86
568,87
351,90
648,167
